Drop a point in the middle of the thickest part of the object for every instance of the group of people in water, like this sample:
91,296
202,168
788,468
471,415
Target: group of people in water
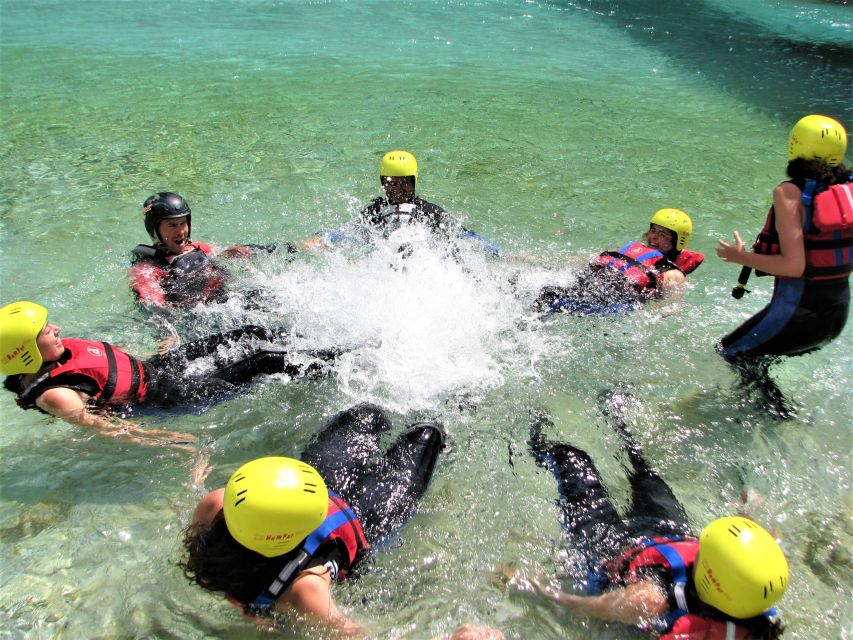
283,531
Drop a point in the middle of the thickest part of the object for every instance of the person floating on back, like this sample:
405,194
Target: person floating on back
807,246
174,270
626,278
81,380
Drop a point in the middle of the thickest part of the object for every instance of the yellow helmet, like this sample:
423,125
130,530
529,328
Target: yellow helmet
20,324
676,221
740,570
398,164
818,137
272,504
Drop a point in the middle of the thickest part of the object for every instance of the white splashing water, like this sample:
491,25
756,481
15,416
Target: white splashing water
433,322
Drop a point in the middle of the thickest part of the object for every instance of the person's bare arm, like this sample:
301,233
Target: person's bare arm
311,595
68,405
673,284
791,261
636,604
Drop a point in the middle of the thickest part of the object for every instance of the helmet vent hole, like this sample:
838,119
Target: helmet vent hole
239,501
239,478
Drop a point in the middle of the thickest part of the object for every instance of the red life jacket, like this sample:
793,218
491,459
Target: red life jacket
642,265
687,261
342,527
827,231
671,559
157,277
119,376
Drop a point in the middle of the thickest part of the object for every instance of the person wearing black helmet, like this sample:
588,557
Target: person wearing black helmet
174,270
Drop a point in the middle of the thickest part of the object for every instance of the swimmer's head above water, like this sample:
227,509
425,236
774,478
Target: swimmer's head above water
817,137
23,337
168,206
740,569
675,221
398,173
271,504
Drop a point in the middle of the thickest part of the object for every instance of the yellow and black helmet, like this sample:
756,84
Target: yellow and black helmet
272,504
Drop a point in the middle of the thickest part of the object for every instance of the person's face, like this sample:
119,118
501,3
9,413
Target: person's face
399,189
175,233
660,238
49,343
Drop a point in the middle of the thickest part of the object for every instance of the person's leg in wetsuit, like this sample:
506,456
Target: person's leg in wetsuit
654,508
802,316
343,448
392,489
590,520
384,490
209,344
171,385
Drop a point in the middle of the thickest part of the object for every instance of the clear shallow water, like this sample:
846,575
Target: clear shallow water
554,129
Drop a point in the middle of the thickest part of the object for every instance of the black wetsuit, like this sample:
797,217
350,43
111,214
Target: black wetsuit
169,383
592,523
593,292
382,214
383,488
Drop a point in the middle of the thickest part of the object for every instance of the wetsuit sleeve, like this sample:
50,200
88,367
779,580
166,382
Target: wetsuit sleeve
146,283
370,214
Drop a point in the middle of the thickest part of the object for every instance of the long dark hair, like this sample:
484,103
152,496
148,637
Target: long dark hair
802,169
217,562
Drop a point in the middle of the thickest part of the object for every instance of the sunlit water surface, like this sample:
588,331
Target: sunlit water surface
554,129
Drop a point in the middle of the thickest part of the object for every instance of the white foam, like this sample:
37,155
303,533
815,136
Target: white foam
437,321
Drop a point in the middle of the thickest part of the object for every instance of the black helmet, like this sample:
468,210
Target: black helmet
162,206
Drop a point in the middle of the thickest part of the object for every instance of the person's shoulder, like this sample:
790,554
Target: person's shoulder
427,206
205,248
370,213
145,254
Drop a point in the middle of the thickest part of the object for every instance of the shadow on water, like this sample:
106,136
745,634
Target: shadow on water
773,70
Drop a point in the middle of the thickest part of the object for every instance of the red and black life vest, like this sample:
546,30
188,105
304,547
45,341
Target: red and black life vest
191,276
642,265
120,377
341,527
827,231
672,560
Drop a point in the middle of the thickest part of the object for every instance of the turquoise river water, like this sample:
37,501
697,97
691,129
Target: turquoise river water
555,129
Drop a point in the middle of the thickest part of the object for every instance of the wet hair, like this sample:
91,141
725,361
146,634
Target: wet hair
217,562
13,383
802,169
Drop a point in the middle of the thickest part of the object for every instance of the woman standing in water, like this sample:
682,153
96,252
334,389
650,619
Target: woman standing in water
807,245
